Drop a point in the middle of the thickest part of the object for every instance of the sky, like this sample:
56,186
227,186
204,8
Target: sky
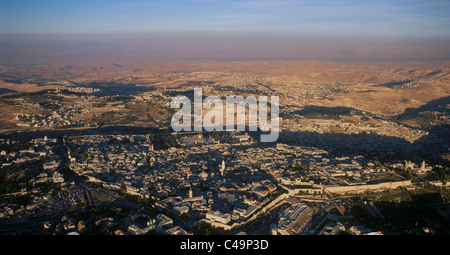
349,17
420,27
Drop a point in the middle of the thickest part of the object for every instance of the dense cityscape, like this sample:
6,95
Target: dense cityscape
238,126
332,172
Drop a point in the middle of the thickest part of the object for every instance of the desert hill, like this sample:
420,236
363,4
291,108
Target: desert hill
383,88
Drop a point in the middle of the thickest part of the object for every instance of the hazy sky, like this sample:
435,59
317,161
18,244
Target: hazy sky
350,17
68,31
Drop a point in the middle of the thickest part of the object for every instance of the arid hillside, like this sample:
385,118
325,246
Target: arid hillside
385,89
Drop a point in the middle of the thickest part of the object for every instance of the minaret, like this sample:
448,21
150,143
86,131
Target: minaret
222,169
190,192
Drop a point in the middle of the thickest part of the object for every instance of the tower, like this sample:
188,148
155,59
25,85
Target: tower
222,168
190,192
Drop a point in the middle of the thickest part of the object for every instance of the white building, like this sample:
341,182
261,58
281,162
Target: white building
219,217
